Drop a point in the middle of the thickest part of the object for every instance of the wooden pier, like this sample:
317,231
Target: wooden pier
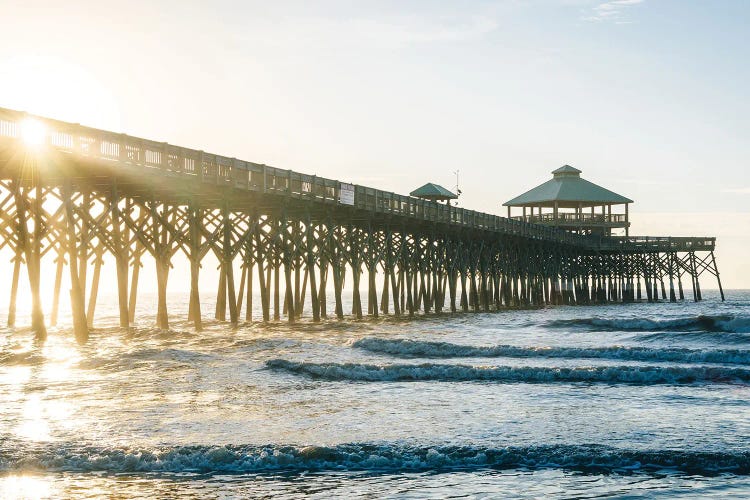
75,195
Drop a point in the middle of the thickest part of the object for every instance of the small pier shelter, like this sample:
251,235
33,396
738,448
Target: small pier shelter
433,192
570,202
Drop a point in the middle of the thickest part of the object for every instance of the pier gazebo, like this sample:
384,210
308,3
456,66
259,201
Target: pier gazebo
569,202
433,192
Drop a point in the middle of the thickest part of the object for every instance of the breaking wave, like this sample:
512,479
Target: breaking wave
639,375
719,323
407,348
383,458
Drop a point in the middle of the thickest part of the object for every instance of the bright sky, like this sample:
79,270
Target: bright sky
647,97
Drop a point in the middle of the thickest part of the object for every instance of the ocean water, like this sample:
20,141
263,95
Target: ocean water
562,402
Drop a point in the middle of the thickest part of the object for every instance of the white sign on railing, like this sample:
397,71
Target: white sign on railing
346,194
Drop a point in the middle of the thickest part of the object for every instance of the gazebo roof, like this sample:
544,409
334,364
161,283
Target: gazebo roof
566,169
567,188
432,191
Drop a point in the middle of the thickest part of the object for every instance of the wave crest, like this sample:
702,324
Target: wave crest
406,348
706,323
372,457
638,375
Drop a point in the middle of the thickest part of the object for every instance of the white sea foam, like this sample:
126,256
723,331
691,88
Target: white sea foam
408,348
642,375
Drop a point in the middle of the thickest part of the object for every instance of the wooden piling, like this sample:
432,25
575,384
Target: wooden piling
289,298
161,258
231,296
249,298
14,290
311,271
31,245
121,253
134,276
276,291
83,244
60,264
263,282
80,325
95,286
195,253
241,292
221,295
716,273
322,299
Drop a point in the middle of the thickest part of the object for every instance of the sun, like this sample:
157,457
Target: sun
33,133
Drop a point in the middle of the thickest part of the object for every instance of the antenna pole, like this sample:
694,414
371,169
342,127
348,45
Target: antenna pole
458,191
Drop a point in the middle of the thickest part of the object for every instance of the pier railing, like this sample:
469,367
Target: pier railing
659,243
132,152
573,219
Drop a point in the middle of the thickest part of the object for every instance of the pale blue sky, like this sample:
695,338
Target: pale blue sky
648,98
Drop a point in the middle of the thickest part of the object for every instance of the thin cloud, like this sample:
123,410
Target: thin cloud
612,11
411,31
388,32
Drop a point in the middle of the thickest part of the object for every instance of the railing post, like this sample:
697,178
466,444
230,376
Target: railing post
163,153
123,157
199,166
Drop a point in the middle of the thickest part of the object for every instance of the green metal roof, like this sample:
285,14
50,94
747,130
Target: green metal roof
432,192
567,188
566,169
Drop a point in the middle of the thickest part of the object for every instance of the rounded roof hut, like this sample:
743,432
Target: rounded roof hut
550,203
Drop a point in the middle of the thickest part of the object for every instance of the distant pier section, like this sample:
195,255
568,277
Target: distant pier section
73,196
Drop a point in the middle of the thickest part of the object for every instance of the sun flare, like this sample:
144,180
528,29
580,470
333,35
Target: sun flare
33,133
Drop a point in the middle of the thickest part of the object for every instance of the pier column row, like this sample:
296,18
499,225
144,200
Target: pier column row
408,270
